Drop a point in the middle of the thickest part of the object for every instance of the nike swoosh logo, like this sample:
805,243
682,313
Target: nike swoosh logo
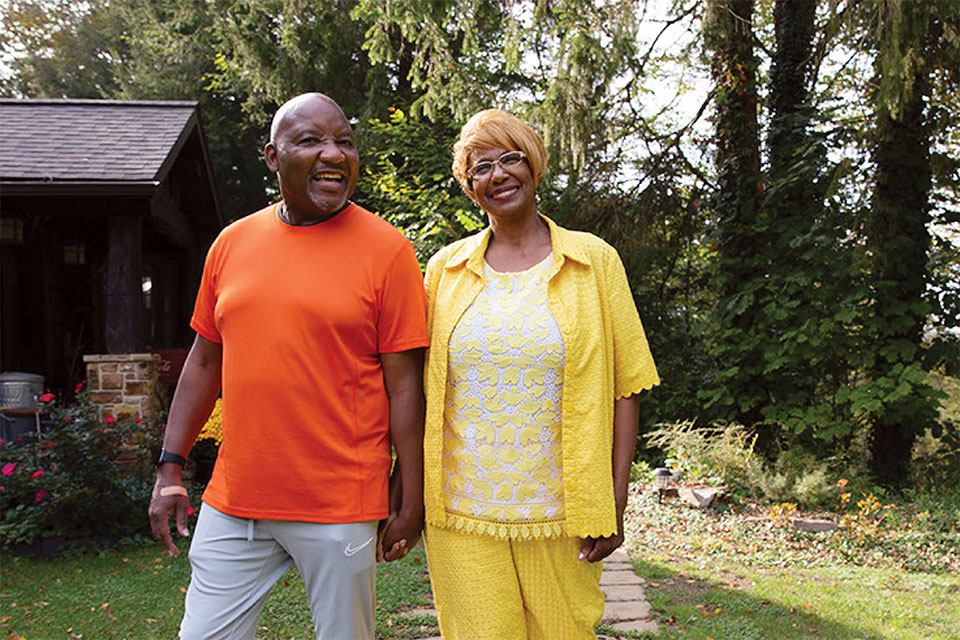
351,550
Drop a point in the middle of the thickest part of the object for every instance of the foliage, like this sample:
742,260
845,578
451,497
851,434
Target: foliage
210,436
69,482
726,455
919,535
797,476
407,180
865,524
713,455
559,63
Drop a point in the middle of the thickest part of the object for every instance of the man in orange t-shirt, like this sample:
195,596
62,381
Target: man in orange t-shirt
310,320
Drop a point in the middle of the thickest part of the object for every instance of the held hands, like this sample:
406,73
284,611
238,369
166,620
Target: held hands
169,498
397,535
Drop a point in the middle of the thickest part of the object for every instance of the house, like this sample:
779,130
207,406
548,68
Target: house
107,209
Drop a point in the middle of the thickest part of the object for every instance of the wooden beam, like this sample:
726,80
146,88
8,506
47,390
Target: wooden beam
170,219
124,272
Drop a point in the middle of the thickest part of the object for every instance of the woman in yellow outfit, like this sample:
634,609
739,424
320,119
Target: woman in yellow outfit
537,356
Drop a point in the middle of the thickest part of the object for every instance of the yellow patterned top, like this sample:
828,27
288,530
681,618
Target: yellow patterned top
606,358
502,443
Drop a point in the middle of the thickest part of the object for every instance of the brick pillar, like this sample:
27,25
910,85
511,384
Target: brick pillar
124,384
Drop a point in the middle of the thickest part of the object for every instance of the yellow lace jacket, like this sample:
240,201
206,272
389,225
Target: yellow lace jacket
607,357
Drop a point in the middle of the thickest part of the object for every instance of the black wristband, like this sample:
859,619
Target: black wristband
169,456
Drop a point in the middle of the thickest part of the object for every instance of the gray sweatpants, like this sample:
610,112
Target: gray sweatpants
235,562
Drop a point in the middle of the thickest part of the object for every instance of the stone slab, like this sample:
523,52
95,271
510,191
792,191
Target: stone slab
620,577
420,612
637,625
619,611
617,566
813,524
619,555
623,592
699,497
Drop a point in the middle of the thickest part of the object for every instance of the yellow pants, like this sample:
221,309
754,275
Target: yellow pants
490,589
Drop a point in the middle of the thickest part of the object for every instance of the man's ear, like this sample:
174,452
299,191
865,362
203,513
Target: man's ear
270,155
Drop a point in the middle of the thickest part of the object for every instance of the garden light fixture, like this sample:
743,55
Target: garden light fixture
661,477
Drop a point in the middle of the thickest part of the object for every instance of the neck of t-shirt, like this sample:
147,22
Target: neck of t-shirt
281,213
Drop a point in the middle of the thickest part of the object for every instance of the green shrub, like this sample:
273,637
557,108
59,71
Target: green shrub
797,476
711,455
936,459
66,482
725,454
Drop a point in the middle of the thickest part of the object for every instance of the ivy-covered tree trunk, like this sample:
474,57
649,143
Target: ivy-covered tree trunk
788,139
739,390
899,240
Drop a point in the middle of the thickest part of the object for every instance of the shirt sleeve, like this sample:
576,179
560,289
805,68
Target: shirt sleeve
403,313
633,367
204,320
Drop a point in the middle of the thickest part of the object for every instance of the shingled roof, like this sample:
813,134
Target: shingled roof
97,140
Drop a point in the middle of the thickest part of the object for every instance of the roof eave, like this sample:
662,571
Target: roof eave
78,188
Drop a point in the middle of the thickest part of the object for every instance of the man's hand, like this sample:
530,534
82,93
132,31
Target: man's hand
398,534
169,498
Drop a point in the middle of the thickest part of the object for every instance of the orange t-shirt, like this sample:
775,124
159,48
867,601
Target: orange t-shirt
303,314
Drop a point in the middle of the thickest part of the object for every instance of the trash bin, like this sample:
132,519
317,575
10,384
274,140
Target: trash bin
18,405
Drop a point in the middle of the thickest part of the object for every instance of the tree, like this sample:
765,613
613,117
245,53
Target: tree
738,390
139,50
898,236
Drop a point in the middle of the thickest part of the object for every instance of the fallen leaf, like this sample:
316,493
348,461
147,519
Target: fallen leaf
182,589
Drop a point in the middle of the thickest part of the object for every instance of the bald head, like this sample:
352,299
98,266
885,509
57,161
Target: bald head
291,106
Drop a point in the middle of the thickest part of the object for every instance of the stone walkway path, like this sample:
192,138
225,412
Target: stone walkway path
626,607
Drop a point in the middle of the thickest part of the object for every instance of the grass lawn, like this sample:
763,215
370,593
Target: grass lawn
726,573
135,591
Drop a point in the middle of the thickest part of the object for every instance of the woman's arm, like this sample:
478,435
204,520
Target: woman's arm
626,417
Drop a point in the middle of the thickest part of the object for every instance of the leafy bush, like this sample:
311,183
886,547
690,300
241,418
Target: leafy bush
796,476
725,454
711,455
936,460
68,482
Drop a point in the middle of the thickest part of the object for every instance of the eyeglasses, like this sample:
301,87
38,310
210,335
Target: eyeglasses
485,168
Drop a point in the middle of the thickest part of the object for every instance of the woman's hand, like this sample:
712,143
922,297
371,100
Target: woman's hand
596,549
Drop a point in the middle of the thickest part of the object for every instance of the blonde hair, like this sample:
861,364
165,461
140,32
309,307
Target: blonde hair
493,128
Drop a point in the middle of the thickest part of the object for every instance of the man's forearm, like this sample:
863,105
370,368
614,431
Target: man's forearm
406,431
403,378
195,395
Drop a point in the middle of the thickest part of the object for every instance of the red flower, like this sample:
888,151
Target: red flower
190,510
110,420
8,468
78,387
137,420
65,421
1,440
49,444
39,473
47,397
41,494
